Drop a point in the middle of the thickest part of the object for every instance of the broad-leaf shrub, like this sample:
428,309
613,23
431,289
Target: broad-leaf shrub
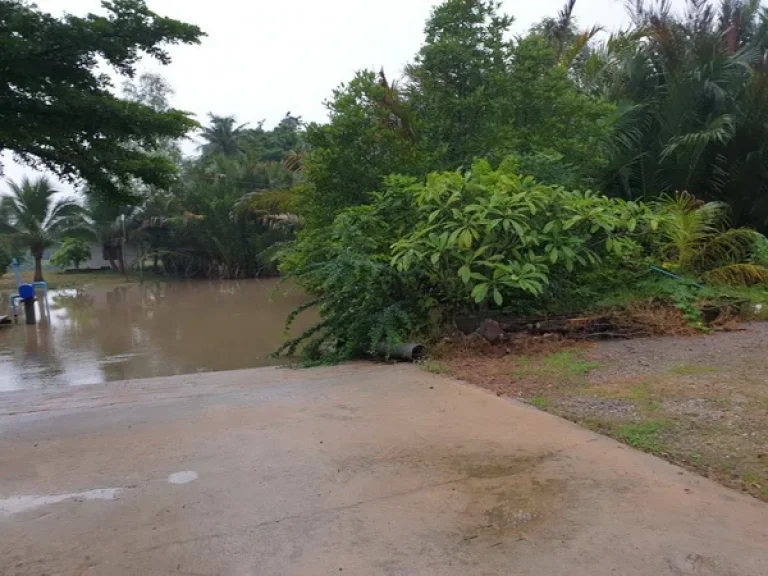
489,237
457,242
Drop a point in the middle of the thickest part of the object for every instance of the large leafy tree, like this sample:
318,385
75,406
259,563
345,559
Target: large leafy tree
34,219
57,110
370,135
457,82
478,94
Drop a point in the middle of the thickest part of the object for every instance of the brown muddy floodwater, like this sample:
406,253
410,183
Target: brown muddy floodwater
138,331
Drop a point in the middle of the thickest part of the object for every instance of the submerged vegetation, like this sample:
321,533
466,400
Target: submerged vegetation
560,170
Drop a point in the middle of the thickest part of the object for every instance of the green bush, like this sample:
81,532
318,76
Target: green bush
489,238
363,301
72,252
5,258
420,252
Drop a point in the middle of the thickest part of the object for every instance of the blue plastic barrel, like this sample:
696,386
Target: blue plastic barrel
26,291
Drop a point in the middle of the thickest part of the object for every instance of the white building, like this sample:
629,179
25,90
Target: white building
100,258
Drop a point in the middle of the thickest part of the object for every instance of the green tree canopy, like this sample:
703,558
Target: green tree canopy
57,110
73,251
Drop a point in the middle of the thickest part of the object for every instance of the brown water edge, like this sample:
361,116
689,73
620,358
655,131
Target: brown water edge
139,331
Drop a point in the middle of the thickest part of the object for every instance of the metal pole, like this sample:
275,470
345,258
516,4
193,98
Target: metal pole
16,271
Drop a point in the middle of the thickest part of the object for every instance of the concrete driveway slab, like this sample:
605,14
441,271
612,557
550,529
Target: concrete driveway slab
358,469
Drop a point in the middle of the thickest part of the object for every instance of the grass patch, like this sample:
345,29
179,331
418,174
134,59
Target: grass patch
566,364
435,367
693,369
641,392
539,402
751,478
643,435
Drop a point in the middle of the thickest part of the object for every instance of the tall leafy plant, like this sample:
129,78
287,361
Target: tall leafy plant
34,219
697,240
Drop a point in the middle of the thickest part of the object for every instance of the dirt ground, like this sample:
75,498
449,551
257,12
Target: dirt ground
701,402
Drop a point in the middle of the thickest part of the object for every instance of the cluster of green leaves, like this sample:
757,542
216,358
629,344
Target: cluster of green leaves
492,236
72,252
471,93
57,109
362,299
5,257
699,242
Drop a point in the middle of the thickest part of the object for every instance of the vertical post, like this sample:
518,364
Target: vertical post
29,310
16,271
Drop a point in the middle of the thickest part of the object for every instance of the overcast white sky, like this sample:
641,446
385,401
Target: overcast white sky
263,58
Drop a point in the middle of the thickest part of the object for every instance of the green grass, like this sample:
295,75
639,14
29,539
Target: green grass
435,367
539,402
641,392
643,435
752,478
566,364
693,369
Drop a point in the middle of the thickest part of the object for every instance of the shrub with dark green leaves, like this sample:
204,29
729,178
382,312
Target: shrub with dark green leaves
458,242
490,237
362,299
72,252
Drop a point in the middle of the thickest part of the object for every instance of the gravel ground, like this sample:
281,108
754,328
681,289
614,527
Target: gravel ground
700,401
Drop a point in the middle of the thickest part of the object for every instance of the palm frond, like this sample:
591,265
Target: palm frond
737,274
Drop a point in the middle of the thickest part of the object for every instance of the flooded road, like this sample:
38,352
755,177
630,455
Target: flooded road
139,331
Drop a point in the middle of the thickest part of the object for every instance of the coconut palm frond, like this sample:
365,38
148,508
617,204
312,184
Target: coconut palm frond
728,247
737,274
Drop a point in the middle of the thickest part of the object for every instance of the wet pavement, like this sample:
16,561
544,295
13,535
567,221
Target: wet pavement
139,331
357,469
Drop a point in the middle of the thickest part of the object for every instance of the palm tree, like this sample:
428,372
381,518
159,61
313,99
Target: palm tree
107,223
693,91
223,136
34,219
699,241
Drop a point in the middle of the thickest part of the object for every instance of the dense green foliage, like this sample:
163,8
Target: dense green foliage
5,257
694,94
56,107
458,243
72,252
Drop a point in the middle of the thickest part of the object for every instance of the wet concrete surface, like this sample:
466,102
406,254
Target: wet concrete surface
358,469
99,335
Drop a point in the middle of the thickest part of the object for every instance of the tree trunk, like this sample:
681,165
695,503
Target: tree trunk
38,268
109,250
121,258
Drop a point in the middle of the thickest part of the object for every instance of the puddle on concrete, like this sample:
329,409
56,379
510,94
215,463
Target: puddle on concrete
18,504
140,331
